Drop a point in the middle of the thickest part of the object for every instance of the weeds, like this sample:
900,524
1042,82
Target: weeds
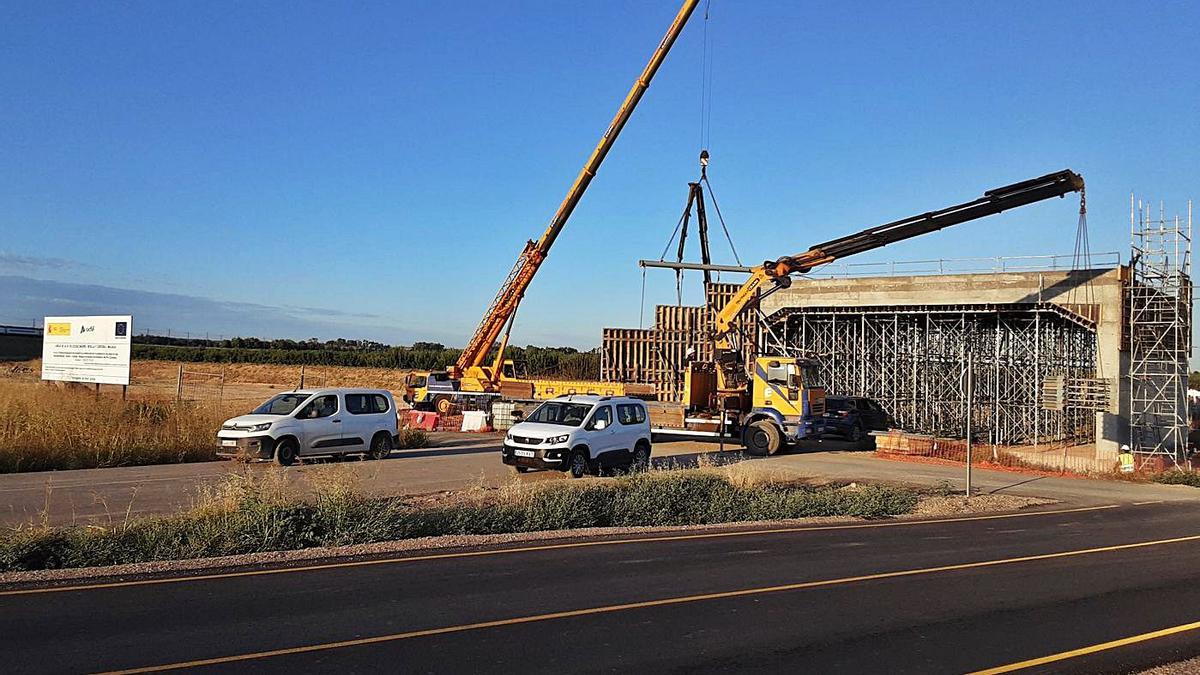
252,512
45,428
412,438
1178,477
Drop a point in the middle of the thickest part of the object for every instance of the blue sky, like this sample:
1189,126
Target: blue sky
372,169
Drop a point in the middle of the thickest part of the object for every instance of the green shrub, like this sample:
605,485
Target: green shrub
1178,477
412,438
251,514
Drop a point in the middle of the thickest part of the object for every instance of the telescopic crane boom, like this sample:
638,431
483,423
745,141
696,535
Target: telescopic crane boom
774,275
504,305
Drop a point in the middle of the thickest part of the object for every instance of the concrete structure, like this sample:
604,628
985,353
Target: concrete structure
1097,296
1067,324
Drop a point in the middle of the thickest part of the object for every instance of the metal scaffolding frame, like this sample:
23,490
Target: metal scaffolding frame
1160,331
913,361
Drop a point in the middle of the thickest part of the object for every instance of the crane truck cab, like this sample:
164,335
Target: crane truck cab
785,404
440,391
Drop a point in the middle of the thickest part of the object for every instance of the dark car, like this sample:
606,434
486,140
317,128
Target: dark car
852,417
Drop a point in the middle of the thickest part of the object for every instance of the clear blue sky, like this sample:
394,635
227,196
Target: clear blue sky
372,169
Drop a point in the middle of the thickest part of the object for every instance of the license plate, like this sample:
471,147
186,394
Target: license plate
229,443
524,453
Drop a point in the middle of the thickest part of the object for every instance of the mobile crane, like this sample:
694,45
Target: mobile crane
474,375
775,403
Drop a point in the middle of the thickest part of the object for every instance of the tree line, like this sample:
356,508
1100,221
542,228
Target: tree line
532,361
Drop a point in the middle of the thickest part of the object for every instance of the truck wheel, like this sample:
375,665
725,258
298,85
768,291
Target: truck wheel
855,434
381,446
579,466
762,438
286,452
442,404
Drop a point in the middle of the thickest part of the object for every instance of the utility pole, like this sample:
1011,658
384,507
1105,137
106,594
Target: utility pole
970,410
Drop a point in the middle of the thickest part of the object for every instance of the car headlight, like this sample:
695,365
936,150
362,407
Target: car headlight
261,427
508,437
557,439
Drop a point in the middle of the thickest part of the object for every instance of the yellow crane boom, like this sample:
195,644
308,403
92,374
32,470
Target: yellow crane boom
774,275
504,306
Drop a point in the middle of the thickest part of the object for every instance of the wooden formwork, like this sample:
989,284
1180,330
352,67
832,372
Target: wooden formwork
659,356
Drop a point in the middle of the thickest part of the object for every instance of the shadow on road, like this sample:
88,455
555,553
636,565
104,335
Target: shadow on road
446,450
1018,483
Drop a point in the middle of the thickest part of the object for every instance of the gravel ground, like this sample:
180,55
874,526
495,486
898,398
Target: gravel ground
927,508
1189,667
958,505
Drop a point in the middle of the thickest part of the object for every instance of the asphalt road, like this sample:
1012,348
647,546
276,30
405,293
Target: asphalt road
462,460
893,596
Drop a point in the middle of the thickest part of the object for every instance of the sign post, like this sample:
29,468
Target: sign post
91,349
970,411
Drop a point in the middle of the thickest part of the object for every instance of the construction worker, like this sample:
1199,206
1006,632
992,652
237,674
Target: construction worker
1126,459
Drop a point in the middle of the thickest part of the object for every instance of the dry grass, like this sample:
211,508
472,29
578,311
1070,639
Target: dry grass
254,512
283,375
45,427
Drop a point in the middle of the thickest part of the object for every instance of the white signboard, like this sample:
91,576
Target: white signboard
87,348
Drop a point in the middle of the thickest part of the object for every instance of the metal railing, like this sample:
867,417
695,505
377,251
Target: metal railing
1028,263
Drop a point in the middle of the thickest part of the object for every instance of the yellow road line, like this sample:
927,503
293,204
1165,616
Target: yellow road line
1083,651
605,609
529,549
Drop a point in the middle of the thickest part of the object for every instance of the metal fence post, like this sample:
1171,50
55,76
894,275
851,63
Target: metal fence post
970,410
179,385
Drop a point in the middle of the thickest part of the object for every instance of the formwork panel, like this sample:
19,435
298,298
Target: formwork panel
659,356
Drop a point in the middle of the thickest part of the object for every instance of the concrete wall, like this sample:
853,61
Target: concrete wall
1104,288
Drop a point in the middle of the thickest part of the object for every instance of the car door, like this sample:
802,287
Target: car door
602,441
321,425
629,427
360,421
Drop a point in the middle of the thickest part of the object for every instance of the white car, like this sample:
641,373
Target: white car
308,422
582,435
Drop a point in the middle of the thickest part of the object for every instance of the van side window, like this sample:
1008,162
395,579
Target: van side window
631,413
381,403
322,406
358,404
602,413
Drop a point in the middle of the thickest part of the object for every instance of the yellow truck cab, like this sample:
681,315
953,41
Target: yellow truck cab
785,404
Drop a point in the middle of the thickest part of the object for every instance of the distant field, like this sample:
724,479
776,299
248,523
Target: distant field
249,382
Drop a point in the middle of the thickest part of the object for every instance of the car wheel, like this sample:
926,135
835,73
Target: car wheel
381,447
286,452
579,466
641,457
762,438
855,434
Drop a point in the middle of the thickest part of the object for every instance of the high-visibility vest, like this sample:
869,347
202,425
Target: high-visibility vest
1126,459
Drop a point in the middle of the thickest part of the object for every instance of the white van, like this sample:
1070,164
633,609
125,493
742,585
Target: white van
308,422
582,435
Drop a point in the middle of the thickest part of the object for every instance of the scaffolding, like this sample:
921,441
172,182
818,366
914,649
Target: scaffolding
913,361
1160,331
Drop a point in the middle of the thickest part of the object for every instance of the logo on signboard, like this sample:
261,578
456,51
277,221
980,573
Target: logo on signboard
87,329
59,329
122,328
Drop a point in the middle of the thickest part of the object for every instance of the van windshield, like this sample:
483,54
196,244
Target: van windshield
282,404
557,412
